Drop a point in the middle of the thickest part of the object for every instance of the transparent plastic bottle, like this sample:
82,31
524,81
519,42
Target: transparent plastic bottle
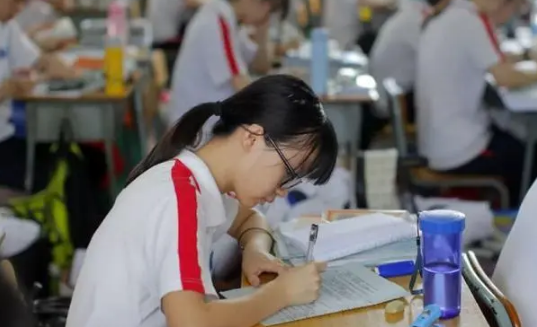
442,239
319,61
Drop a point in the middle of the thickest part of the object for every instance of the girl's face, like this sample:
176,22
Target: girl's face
267,169
505,11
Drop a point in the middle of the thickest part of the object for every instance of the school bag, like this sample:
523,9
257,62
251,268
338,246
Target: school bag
66,207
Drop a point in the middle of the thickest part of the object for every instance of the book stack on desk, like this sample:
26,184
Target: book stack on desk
370,240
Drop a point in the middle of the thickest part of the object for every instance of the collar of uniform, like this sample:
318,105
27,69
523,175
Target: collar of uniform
215,212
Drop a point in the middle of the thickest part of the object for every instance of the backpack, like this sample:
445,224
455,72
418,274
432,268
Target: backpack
66,208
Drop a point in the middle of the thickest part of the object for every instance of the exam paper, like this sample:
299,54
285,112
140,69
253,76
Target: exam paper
343,288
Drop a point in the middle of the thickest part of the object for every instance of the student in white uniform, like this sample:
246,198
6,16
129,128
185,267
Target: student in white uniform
457,49
516,268
166,17
216,53
148,264
394,52
18,56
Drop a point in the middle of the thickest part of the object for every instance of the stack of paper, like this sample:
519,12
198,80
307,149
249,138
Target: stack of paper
350,236
343,288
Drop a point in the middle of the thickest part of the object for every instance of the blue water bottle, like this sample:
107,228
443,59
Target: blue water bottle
442,238
319,61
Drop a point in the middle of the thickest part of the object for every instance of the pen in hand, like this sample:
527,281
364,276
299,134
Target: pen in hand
313,238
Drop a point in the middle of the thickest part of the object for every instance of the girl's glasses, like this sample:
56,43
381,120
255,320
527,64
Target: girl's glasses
292,179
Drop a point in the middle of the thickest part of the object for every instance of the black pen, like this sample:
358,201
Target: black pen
313,238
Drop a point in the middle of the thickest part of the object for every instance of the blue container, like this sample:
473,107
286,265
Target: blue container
442,239
319,61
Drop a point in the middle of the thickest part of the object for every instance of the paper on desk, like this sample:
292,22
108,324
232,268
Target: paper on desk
345,237
398,251
344,288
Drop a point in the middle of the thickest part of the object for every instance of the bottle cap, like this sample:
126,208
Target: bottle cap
442,221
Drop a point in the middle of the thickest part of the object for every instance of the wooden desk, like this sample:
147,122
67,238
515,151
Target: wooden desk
374,316
44,114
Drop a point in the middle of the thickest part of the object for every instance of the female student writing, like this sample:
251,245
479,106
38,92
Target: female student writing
148,264
216,53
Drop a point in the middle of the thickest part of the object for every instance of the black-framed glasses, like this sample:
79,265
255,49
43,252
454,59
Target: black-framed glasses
292,179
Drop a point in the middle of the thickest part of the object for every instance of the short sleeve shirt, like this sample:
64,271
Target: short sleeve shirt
456,50
165,17
16,51
395,49
214,50
156,239
517,266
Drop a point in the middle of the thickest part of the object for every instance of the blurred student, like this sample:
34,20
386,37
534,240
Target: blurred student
168,20
395,49
516,268
154,247
455,133
19,58
216,53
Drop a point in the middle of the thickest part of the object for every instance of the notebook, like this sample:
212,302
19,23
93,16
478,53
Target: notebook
344,288
342,238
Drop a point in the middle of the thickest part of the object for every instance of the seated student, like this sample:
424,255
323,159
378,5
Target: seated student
395,49
18,57
457,49
168,19
516,268
149,262
214,57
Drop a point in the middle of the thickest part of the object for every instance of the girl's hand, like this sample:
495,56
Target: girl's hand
301,285
255,262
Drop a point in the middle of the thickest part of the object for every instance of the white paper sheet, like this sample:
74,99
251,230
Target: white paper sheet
344,288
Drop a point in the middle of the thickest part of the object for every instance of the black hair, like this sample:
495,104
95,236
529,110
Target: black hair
13,310
285,106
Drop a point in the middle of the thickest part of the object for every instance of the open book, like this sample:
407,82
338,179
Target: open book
342,238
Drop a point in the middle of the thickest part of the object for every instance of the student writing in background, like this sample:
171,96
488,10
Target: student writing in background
455,133
216,53
148,264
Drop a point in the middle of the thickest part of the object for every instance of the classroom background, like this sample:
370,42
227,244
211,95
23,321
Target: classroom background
77,136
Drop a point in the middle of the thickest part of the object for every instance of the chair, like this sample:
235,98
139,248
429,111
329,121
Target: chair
508,306
498,311
420,174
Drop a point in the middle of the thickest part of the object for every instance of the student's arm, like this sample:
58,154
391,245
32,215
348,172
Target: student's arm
225,61
249,225
487,57
52,67
262,62
177,260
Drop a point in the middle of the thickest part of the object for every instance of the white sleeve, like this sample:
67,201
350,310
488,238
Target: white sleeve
480,44
22,51
177,254
225,60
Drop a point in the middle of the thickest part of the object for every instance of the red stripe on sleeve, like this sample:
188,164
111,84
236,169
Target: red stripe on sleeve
228,47
187,223
492,35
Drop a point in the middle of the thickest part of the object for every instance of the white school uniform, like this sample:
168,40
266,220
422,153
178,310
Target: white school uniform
214,50
341,20
395,49
517,266
165,17
456,50
16,51
156,239
36,13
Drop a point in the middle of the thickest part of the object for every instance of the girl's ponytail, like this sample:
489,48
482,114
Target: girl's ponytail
185,133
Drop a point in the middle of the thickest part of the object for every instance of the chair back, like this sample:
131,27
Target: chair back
492,308
396,102
510,313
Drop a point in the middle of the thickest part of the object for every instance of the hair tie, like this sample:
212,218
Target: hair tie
217,111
